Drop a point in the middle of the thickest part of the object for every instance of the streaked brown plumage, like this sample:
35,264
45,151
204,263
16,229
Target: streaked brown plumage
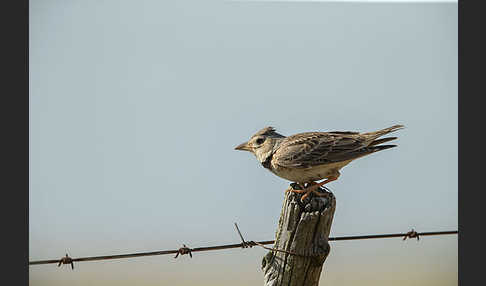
312,156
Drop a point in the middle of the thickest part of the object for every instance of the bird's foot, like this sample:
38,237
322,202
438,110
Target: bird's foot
306,191
312,188
314,191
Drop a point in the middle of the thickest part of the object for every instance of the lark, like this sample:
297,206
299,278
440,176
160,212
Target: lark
308,157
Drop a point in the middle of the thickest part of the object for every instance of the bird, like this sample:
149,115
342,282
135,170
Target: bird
308,157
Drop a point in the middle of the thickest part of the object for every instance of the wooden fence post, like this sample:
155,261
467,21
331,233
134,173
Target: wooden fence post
303,230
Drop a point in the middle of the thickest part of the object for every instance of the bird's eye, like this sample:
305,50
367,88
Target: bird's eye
260,141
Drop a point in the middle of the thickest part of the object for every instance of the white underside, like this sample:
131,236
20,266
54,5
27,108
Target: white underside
310,174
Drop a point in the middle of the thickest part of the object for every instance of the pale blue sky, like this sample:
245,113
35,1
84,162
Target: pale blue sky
136,106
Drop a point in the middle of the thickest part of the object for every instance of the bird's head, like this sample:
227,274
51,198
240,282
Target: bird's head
262,144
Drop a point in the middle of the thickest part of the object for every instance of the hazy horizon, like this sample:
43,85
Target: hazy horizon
135,108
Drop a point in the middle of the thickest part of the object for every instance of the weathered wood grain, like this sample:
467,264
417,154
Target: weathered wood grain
303,229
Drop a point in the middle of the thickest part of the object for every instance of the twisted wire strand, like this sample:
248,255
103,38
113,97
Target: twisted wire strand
244,244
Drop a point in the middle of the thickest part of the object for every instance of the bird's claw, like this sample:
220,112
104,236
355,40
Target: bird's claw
319,194
306,190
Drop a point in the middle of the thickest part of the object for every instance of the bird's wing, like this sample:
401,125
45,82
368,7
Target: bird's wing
317,148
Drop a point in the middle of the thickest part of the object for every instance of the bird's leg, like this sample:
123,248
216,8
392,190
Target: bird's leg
314,186
296,191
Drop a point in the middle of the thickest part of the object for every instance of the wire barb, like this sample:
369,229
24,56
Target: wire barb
252,243
184,250
411,234
244,244
66,260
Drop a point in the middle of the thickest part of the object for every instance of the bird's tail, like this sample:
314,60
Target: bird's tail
376,134
380,147
382,132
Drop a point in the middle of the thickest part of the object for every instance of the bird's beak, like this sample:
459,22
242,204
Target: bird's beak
243,147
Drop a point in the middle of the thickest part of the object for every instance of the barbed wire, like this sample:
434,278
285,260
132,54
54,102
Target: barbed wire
244,244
